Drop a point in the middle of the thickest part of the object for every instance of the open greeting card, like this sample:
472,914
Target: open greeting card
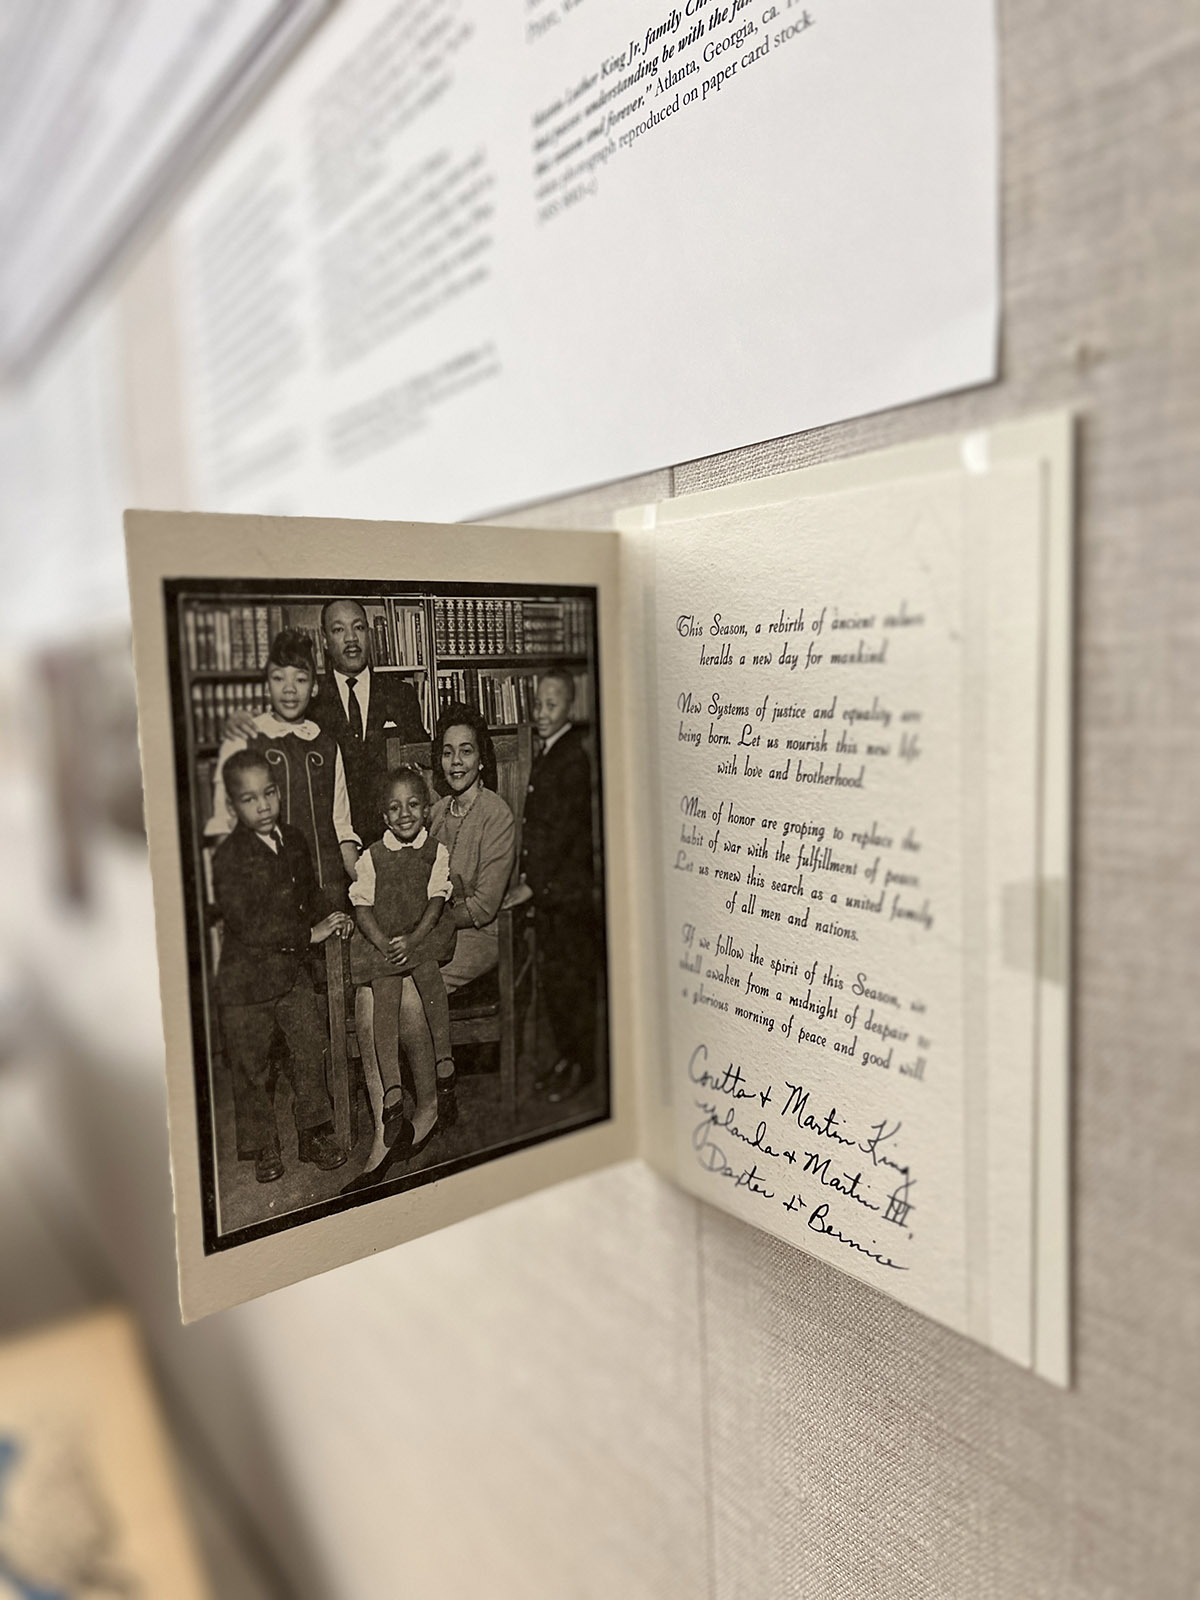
735,838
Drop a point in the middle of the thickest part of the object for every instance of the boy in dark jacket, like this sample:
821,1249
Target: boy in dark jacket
557,864
265,891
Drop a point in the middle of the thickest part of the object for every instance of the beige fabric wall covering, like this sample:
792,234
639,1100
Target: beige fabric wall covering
610,1390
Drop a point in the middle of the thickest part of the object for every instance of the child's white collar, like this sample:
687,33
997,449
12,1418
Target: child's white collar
272,723
390,841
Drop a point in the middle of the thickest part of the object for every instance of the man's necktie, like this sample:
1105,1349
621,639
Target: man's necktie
354,710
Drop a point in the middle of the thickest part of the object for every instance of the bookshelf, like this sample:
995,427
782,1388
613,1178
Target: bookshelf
481,649
489,652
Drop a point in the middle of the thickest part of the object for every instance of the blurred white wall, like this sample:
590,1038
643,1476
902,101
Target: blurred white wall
64,483
608,1390
518,1396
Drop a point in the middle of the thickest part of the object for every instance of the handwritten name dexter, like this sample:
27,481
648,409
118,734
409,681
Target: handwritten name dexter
780,1146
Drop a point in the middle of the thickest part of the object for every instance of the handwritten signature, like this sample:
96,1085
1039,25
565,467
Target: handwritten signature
727,1123
712,1158
718,1132
730,1082
819,1223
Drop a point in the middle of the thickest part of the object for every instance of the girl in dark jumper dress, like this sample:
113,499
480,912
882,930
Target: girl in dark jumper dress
399,897
305,763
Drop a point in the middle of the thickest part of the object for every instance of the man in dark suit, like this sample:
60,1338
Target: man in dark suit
362,709
557,864
265,890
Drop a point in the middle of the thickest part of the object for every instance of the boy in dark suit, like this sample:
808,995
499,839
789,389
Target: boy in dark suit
557,864
265,889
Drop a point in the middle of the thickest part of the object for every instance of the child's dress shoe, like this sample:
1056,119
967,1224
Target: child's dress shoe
447,1100
268,1166
324,1150
394,1118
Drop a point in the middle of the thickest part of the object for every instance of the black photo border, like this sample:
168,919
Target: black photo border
276,590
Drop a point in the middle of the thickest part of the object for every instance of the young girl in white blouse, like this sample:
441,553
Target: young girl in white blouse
404,931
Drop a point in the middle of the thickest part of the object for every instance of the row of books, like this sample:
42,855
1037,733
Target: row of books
214,703
237,638
403,647
232,638
318,644
505,699
473,625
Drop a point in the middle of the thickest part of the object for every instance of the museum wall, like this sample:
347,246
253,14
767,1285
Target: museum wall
611,1389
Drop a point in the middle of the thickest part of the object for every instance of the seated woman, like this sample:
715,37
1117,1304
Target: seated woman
479,833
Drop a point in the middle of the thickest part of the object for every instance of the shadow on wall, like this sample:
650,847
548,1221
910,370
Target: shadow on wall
91,769
78,933
109,1117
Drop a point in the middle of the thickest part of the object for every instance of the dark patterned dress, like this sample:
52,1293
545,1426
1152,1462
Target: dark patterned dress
401,896
306,771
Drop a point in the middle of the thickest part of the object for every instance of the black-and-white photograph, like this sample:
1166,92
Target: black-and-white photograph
391,833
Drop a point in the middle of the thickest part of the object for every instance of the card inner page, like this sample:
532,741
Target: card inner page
848,712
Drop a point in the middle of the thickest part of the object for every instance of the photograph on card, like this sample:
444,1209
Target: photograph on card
393,860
